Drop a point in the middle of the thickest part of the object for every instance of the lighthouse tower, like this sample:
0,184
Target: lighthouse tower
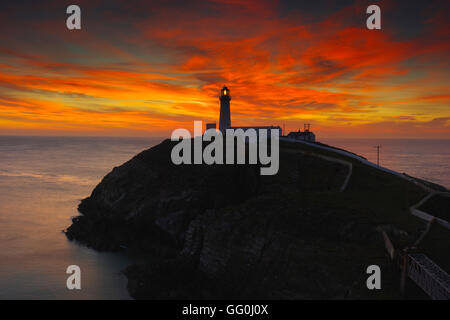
225,118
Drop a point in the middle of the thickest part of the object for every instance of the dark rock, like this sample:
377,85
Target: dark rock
224,231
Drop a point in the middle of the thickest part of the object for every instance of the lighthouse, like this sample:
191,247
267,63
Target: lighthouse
225,118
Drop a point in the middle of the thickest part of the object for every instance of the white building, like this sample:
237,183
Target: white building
302,135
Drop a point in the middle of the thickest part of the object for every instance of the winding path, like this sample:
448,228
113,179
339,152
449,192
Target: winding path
413,209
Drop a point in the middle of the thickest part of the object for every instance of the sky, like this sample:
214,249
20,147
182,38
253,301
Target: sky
145,68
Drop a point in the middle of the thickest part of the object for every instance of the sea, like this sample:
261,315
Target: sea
42,180
422,158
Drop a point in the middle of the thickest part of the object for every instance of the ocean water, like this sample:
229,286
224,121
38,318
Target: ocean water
42,180
421,158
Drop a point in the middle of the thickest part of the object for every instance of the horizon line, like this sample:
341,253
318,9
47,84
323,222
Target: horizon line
168,137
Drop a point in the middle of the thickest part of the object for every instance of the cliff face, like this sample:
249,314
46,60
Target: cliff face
149,199
224,231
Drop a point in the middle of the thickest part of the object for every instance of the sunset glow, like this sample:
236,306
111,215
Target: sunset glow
148,67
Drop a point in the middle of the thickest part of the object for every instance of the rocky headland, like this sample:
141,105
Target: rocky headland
225,231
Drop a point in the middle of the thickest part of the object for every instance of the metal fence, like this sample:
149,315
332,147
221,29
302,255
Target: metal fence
429,276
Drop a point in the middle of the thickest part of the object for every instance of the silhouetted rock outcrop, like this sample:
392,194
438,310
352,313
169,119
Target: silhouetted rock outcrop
224,231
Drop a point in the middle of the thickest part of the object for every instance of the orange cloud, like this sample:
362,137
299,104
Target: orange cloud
157,67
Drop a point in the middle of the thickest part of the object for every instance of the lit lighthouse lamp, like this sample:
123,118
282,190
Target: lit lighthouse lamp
225,91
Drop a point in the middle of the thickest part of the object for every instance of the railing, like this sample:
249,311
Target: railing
432,279
429,276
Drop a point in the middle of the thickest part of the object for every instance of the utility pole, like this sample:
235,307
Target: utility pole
378,154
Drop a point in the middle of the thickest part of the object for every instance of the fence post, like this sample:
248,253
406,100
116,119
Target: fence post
404,267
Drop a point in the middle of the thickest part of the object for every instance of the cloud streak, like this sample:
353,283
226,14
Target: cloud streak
154,66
